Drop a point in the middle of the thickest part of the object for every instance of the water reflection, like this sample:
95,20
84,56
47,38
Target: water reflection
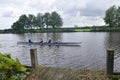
54,36
38,36
113,40
114,43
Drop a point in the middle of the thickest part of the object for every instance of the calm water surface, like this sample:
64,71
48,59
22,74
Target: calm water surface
90,55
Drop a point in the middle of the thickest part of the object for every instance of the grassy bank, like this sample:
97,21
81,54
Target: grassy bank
50,73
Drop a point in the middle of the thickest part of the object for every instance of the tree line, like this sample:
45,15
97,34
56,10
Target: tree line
30,21
112,16
54,20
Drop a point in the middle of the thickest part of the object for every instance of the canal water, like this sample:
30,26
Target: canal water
91,54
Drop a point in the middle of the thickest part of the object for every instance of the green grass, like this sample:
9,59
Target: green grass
82,30
114,77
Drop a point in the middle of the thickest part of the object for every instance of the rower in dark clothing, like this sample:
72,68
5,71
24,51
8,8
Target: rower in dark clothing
49,41
29,41
41,41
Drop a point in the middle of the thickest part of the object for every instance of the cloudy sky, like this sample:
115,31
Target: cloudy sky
73,12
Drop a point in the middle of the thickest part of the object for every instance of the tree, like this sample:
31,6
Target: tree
110,17
118,16
55,20
24,21
31,21
18,27
21,24
39,20
46,18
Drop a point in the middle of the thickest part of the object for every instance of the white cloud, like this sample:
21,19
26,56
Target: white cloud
6,22
7,14
82,21
74,12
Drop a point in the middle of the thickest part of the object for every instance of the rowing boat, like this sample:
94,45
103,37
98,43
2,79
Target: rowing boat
52,43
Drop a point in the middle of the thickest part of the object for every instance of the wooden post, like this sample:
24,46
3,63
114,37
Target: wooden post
34,61
110,61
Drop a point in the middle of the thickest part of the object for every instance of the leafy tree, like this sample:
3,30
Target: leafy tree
46,17
39,20
21,24
24,21
18,27
55,20
118,16
116,20
31,21
110,17
11,69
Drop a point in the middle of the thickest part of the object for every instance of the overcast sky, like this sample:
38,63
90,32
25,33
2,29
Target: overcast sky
73,12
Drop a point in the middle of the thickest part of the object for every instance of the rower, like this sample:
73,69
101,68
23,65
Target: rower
49,41
41,41
29,41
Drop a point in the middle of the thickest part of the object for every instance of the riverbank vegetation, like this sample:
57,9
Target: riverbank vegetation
68,29
11,69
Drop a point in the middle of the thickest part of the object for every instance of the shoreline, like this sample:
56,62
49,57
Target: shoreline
61,30
56,73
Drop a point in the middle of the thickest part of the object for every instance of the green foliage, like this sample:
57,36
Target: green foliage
114,77
21,24
47,19
37,22
31,21
112,16
118,17
55,20
11,69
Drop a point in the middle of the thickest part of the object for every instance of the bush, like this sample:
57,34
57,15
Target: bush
11,69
